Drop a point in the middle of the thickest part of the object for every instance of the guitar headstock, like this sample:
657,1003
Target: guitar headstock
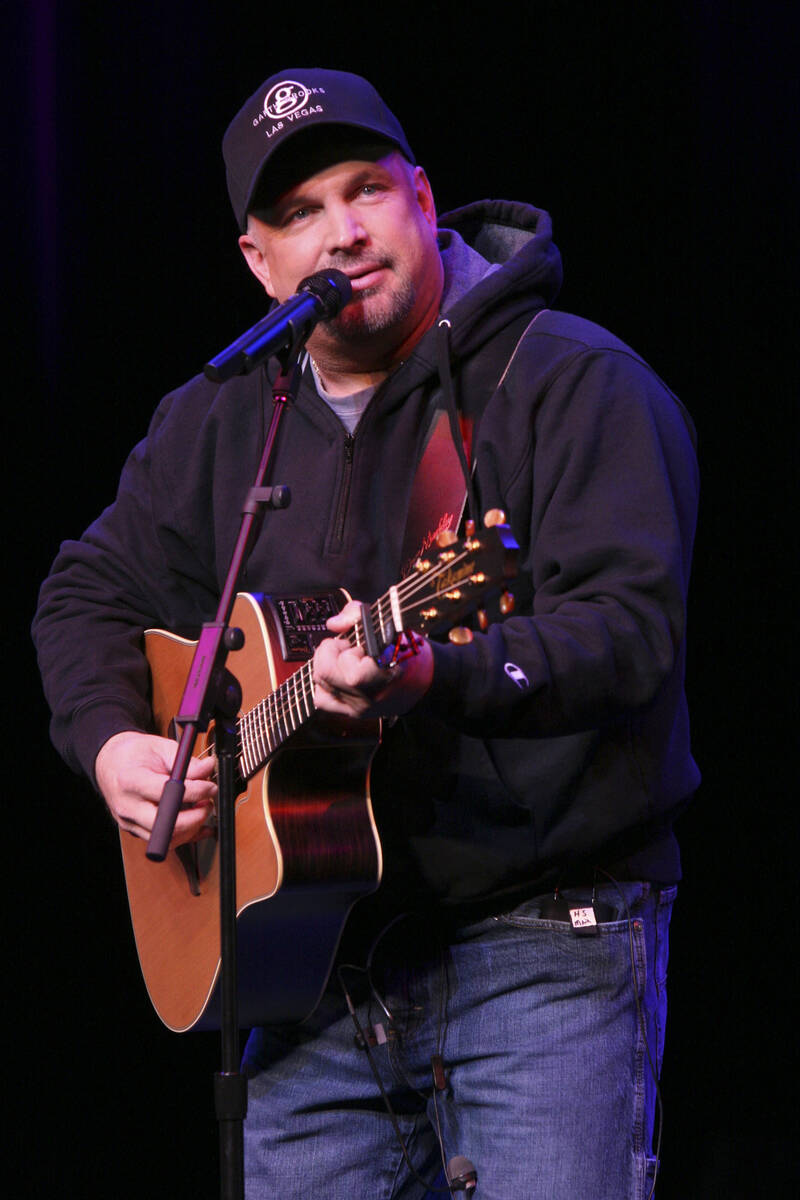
455,577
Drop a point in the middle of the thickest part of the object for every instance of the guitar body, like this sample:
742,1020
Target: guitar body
306,843
306,849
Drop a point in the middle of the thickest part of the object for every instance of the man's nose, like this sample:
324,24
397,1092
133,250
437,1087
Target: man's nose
345,228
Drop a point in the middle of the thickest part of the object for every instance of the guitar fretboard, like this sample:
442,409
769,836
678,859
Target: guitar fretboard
266,726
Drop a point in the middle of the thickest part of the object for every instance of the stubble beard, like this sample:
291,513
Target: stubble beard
376,310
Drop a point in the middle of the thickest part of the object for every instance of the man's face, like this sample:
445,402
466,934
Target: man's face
374,220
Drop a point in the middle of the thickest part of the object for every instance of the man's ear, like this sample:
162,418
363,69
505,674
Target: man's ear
424,194
256,261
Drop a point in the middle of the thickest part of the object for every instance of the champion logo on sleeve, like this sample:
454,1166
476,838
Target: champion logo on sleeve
516,675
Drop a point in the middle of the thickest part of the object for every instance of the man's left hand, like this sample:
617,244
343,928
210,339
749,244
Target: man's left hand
350,683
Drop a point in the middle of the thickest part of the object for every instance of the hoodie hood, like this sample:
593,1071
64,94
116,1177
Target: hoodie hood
501,267
500,261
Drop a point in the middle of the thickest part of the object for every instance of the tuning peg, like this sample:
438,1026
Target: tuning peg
469,528
483,620
495,516
460,635
446,538
506,603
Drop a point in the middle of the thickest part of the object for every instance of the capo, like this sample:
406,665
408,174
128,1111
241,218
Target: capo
370,640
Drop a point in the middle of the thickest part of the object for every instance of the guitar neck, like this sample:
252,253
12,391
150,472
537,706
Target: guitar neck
444,585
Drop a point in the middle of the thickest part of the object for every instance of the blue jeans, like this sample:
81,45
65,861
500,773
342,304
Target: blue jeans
549,1089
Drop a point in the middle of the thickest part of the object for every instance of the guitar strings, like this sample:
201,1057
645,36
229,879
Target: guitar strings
266,726
271,721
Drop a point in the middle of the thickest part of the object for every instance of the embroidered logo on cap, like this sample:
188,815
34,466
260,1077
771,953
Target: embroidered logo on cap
284,98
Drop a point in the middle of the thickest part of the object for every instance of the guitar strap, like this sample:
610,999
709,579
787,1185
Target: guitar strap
439,491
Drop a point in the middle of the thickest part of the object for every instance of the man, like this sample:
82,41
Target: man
508,975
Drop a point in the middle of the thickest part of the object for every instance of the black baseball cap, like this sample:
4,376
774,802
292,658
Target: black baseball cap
291,102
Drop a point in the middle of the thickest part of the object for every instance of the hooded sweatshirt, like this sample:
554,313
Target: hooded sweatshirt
554,743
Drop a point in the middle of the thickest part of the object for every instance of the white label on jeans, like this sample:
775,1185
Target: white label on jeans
582,918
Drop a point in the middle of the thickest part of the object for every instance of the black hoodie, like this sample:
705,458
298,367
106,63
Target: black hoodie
555,742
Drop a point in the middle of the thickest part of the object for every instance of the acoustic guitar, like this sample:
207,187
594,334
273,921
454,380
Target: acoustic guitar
307,846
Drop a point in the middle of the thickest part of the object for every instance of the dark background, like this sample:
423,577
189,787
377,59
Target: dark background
662,138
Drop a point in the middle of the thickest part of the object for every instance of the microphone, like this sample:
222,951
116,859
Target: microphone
318,298
461,1175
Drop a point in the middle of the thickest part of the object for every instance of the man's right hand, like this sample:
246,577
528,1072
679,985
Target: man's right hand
131,770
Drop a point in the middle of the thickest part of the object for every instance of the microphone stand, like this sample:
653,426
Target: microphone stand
212,694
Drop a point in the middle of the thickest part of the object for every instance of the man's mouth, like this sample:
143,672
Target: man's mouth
366,276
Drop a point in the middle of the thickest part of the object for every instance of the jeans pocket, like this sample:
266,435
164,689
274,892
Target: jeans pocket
612,904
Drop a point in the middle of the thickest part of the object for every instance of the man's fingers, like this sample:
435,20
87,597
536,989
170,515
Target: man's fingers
346,619
349,683
204,766
131,770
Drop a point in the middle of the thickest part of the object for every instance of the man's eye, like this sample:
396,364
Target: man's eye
299,214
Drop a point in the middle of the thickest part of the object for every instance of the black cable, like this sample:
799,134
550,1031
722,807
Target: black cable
363,1041
440,1027
396,1063
437,1057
